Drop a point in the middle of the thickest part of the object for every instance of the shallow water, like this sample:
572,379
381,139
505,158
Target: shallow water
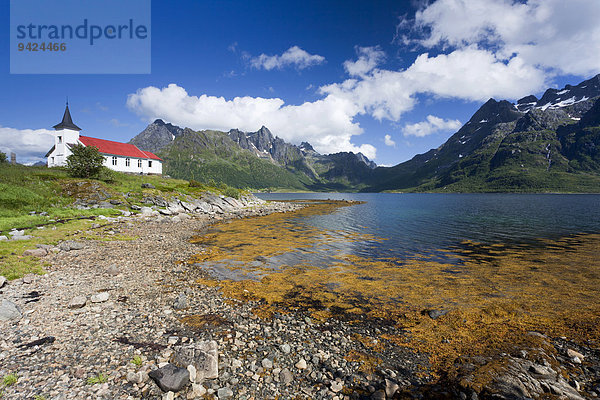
425,223
499,265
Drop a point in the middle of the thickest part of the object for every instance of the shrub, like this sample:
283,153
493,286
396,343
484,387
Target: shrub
85,162
107,175
232,192
3,158
196,184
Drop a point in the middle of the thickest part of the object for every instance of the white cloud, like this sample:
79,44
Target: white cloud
388,141
368,59
489,48
294,56
555,35
432,125
326,123
30,145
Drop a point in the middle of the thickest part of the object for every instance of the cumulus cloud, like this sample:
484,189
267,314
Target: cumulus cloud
388,141
498,48
294,56
554,35
30,145
326,123
368,59
432,125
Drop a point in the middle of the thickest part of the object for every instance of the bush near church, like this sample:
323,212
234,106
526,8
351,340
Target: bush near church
85,162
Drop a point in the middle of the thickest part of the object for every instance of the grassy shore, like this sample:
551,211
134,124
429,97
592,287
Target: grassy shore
41,201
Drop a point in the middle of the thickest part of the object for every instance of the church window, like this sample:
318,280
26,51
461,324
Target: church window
139,163
127,162
114,160
149,164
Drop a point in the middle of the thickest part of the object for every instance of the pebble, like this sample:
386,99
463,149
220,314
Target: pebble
9,311
35,252
224,393
266,363
301,364
100,297
77,302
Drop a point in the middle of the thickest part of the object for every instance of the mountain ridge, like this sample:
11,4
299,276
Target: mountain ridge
546,144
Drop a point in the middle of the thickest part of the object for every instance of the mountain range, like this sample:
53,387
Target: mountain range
551,144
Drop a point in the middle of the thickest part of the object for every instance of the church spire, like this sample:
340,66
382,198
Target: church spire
67,122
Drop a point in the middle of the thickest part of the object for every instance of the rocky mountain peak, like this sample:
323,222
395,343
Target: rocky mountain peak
559,98
307,147
495,112
361,157
156,136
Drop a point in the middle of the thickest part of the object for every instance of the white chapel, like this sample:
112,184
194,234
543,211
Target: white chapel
122,157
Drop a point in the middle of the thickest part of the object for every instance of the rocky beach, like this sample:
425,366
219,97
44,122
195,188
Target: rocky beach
130,319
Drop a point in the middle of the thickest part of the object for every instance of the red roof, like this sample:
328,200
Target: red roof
116,148
152,155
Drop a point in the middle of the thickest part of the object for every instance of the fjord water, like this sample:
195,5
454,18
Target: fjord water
425,223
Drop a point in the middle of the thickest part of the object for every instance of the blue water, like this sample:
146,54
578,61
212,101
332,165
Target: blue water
425,223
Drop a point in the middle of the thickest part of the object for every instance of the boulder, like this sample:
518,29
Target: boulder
9,311
35,252
100,297
77,302
2,281
170,378
69,245
148,186
202,355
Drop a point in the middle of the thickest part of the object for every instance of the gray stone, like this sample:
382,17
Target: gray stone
435,314
3,237
180,302
285,348
336,386
202,355
113,270
9,311
100,297
28,279
146,211
170,378
193,375
35,252
2,281
391,388
148,186
77,302
22,237
133,377
575,354
198,390
378,395
224,393
301,364
286,376
70,245
266,363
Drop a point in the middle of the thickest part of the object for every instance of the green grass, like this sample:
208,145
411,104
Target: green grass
137,360
100,378
10,380
26,190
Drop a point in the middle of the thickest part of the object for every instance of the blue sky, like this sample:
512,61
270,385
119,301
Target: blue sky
389,78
